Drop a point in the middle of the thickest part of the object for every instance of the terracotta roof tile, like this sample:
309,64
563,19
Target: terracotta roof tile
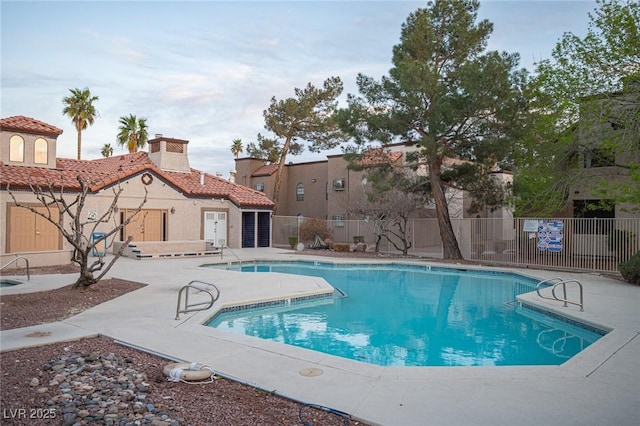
108,171
266,170
20,123
376,156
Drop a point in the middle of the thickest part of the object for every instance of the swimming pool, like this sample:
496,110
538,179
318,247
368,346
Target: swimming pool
8,283
412,315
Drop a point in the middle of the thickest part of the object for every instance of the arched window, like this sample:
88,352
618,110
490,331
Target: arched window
16,149
300,192
41,151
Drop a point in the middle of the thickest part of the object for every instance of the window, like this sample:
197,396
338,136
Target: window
16,149
41,151
338,220
601,213
338,184
259,187
300,192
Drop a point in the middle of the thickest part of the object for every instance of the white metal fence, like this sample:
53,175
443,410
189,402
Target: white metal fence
568,243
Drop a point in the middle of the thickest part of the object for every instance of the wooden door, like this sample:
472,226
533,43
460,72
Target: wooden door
135,228
47,234
30,232
153,225
146,226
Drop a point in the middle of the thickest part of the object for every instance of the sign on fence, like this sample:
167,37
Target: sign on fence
550,235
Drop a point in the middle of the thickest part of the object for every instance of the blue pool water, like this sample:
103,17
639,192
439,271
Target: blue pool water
405,315
8,283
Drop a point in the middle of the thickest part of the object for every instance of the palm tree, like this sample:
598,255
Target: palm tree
132,132
107,150
79,106
236,147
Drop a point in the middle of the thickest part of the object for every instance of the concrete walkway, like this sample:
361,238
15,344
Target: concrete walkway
599,386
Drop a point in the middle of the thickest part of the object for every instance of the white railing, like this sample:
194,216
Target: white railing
563,243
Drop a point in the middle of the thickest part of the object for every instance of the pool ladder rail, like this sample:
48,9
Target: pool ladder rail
232,252
557,282
202,287
15,260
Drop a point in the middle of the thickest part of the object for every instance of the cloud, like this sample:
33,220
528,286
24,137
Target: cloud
205,71
122,48
269,42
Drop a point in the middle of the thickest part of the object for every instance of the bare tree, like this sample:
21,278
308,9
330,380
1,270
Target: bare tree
388,204
79,230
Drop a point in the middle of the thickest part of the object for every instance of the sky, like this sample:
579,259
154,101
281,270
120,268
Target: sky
204,71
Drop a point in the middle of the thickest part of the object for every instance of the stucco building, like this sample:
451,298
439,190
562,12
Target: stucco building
184,205
327,189
607,147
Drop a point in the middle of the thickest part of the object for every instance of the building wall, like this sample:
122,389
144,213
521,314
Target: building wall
323,200
602,122
184,216
341,202
313,177
245,167
29,143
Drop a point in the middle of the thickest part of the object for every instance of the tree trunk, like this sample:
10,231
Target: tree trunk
278,182
450,247
85,279
79,143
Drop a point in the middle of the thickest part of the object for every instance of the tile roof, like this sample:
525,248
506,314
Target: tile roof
266,170
376,156
20,123
105,172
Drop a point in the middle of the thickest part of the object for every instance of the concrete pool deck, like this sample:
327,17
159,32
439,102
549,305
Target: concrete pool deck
599,386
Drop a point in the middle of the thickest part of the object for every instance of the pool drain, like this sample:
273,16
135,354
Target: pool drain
310,372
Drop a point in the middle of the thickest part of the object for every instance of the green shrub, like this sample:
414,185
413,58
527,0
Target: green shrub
630,269
312,227
293,241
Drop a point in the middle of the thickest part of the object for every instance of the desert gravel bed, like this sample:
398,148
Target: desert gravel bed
96,381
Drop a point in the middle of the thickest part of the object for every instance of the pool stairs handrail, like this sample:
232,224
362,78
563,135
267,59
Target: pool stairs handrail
556,282
200,306
12,261
232,252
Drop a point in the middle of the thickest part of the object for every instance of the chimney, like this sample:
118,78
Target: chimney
201,178
169,154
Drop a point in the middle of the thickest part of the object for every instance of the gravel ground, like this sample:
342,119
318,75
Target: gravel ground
99,382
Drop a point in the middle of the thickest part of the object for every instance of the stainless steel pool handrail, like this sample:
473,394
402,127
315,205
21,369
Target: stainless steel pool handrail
200,306
555,282
16,261
233,253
